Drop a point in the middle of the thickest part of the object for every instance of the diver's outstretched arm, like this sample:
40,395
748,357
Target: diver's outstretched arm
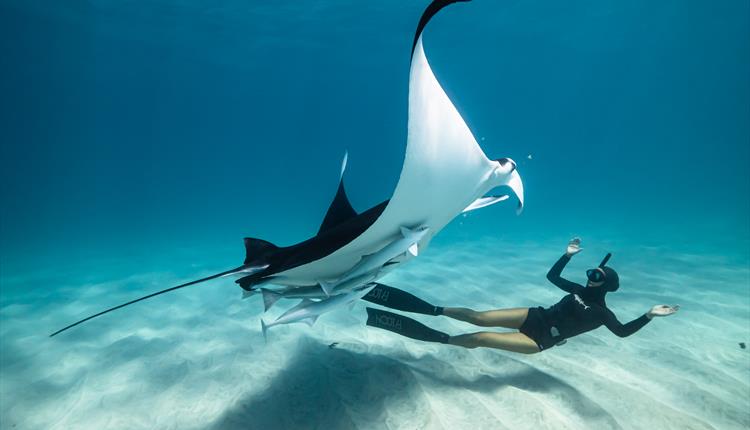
624,330
574,247
554,276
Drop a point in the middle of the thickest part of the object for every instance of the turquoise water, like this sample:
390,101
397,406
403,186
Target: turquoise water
142,142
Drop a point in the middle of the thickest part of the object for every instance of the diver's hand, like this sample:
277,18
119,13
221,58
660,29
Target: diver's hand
574,247
662,311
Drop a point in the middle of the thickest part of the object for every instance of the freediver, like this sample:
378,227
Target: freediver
583,309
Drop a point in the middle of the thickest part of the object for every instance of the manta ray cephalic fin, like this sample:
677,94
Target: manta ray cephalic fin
483,202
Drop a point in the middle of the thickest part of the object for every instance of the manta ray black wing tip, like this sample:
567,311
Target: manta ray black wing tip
428,13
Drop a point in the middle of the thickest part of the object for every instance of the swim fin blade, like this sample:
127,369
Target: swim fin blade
404,326
394,298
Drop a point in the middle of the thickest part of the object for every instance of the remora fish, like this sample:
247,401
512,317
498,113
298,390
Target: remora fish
408,242
314,292
308,311
272,296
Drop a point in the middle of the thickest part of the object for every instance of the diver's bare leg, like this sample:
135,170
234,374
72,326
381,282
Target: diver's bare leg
509,318
514,342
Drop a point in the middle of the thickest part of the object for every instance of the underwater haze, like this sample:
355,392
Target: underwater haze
141,141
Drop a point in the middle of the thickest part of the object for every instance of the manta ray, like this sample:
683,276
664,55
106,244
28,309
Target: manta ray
445,172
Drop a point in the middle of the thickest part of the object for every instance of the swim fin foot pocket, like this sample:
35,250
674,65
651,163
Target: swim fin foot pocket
404,326
394,298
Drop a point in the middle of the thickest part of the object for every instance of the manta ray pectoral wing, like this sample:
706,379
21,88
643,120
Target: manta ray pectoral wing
343,165
444,171
428,13
340,209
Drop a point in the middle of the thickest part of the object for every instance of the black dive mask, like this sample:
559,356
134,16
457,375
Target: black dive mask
598,274
605,274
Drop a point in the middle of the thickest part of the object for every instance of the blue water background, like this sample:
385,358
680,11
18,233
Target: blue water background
141,141
129,130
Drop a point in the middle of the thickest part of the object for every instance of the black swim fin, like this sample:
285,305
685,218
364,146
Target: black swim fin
398,299
404,326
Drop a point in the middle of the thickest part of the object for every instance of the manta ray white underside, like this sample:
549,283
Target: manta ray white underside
444,171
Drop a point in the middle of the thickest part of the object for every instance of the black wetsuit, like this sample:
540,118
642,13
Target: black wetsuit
582,310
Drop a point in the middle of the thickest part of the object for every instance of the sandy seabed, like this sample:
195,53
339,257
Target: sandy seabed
196,359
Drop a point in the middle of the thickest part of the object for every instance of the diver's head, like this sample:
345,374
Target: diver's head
603,277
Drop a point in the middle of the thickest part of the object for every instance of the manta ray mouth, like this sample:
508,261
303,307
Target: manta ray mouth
505,161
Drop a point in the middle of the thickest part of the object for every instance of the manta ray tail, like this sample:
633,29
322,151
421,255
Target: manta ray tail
218,275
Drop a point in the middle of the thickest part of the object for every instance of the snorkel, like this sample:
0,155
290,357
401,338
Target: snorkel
604,276
605,259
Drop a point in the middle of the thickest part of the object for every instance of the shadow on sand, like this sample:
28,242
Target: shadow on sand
341,388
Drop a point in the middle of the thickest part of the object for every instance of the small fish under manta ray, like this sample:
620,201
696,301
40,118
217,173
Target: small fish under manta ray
445,173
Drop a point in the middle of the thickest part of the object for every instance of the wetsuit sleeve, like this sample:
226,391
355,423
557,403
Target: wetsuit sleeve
554,276
623,330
